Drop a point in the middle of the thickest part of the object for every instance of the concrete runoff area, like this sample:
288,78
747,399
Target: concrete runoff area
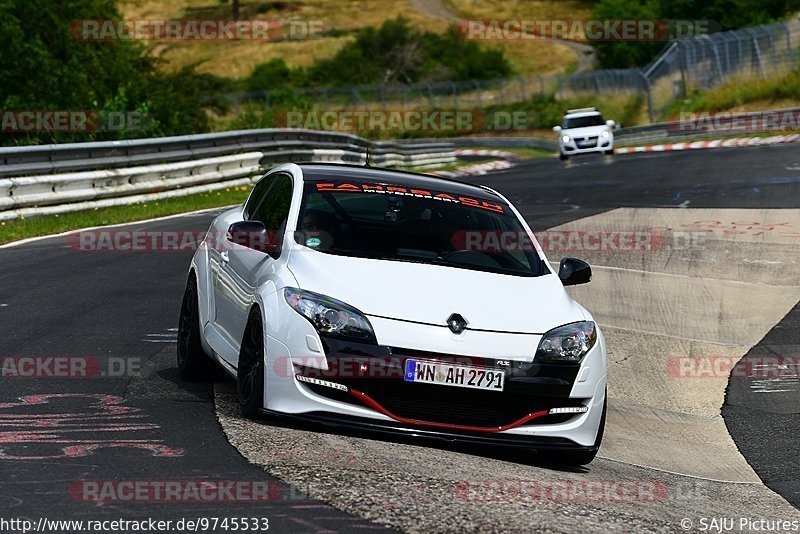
678,314
417,487
666,313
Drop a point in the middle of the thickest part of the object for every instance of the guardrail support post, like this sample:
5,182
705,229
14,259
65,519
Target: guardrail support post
649,94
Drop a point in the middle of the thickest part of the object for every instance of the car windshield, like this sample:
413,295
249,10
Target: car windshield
392,222
582,122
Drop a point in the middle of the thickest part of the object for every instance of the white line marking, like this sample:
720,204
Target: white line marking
674,275
69,232
710,342
745,483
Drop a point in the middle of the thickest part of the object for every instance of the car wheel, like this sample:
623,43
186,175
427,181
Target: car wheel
562,156
193,363
609,152
582,457
250,374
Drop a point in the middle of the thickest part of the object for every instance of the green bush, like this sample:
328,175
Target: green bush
43,66
393,53
720,14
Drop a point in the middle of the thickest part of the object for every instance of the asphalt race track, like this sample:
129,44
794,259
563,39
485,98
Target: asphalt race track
719,280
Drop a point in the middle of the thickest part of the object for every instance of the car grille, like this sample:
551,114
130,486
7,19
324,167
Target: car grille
454,405
586,142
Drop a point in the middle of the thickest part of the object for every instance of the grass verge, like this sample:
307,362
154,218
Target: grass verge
743,95
53,224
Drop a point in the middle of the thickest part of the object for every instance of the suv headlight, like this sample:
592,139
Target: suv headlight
330,316
565,138
568,343
605,134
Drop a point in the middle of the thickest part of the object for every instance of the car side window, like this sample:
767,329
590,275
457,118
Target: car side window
273,211
257,195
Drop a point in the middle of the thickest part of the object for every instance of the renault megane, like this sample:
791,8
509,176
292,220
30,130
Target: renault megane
398,302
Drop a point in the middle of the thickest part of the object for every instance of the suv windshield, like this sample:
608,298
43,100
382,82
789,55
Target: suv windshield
583,122
383,221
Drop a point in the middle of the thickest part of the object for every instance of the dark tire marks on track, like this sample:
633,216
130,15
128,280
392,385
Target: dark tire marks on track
60,301
763,416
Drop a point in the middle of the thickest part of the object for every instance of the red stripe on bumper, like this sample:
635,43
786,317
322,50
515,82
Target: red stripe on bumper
369,401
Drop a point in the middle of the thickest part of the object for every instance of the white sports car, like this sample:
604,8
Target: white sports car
397,302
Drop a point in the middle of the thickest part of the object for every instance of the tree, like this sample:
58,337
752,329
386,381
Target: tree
45,64
623,54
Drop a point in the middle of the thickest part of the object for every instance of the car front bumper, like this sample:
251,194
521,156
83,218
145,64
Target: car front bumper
594,144
376,398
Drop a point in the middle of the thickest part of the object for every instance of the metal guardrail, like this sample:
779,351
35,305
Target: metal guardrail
69,157
704,127
507,142
45,179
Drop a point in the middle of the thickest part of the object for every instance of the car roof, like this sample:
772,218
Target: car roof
316,172
581,114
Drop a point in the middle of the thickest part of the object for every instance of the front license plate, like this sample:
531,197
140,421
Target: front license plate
446,374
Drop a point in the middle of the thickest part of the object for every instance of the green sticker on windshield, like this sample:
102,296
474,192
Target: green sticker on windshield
313,242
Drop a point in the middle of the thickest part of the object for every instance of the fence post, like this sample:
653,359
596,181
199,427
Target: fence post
789,53
649,94
478,92
430,94
682,64
717,60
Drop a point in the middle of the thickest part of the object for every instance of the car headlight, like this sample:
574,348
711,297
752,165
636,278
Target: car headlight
605,134
565,138
568,343
330,316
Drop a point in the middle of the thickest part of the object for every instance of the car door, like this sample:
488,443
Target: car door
243,269
219,250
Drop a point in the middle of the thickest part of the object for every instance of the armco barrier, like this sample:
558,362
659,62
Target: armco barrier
47,179
51,159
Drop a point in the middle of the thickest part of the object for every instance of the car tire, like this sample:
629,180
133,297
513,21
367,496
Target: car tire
609,152
562,156
578,458
193,362
250,372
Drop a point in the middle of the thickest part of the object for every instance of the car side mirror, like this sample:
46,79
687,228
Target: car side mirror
573,271
253,235
611,123
557,129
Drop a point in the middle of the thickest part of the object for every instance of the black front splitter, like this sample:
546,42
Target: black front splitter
408,432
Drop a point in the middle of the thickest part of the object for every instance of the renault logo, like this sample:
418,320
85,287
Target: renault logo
456,323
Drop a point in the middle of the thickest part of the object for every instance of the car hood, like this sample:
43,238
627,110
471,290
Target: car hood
587,131
431,293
